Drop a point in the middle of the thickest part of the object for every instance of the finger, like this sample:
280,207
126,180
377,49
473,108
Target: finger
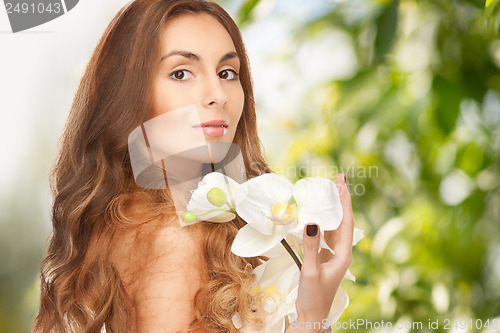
311,247
341,185
341,239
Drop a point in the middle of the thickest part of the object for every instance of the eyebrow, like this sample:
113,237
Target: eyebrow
195,57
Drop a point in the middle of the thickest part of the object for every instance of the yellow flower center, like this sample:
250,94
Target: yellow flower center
283,213
270,297
271,291
255,290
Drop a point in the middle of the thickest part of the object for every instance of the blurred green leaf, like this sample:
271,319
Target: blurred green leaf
244,15
402,113
387,24
448,96
471,160
489,8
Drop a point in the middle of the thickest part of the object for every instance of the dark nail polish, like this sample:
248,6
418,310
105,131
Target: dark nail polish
345,178
312,230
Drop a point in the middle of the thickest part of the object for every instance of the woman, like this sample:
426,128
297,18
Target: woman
118,258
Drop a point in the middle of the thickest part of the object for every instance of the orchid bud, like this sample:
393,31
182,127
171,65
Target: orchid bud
216,197
188,217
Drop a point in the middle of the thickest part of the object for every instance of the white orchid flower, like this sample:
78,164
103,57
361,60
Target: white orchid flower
273,208
213,200
358,235
318,200
277,285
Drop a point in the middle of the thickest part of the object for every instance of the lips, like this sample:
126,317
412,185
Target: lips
214,128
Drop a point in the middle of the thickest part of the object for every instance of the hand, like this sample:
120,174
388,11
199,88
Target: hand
322,272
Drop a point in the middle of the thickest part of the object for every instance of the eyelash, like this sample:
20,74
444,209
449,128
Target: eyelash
236,75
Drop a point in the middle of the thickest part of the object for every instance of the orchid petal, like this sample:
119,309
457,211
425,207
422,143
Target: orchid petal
358,235
278,327
291,299
340,303
280,272
225,183
318,201
251,243
348,275
200,205
256,196
324,245
237,321
219,217
275,251
271,268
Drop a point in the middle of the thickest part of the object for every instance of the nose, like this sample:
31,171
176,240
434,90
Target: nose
215,95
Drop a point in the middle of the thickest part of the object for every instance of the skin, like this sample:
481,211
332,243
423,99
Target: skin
164,290
199,66
322,272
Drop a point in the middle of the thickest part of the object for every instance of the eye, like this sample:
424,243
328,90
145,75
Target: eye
180,75
228,74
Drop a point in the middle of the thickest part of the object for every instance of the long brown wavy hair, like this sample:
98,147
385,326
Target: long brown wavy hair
93,185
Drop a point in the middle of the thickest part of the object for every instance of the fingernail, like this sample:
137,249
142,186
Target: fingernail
345,178
312,230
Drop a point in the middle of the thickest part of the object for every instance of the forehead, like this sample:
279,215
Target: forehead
198,33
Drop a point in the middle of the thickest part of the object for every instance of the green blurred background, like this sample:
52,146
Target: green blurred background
403,96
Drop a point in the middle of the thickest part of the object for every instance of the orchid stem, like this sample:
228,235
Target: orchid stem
230,210
290,251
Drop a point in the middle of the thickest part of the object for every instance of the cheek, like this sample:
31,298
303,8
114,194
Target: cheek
237,112
166,98
158,108
160,101
239,103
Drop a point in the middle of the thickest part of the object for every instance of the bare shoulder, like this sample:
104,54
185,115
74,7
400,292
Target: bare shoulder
162,267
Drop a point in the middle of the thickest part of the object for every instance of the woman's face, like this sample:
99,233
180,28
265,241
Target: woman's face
199,66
